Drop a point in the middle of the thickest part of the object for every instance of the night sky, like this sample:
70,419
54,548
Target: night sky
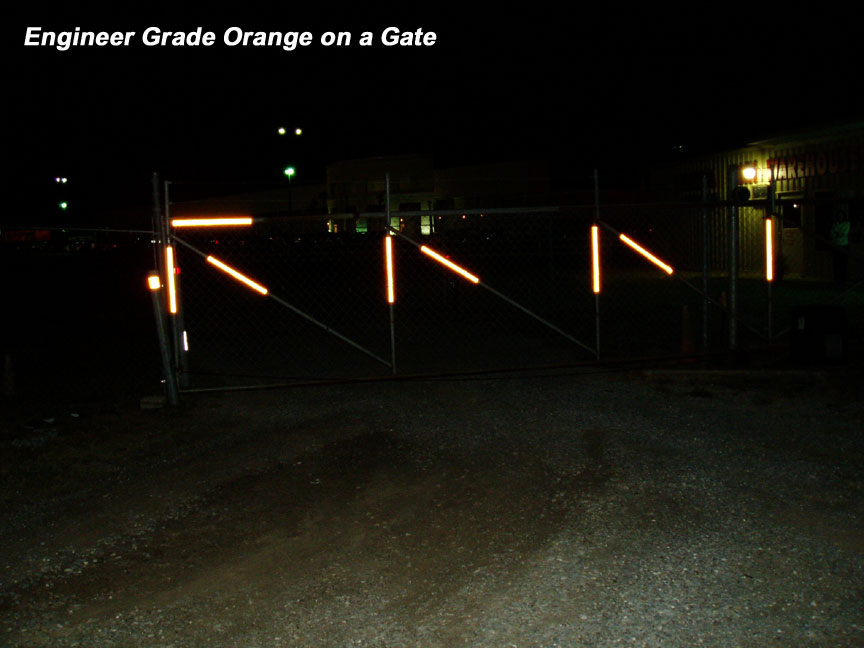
616,86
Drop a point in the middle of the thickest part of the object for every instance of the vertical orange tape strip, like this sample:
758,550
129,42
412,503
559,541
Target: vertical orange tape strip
169,271
388,253
595,258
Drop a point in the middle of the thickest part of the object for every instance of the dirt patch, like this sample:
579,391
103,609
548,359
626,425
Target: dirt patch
444,513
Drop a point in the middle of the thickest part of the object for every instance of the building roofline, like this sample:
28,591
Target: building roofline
818,133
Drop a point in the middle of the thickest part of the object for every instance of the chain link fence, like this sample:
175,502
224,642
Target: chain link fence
326,313
86,326
528,302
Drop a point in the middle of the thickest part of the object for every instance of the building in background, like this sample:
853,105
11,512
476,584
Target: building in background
804,180
423,200
813,175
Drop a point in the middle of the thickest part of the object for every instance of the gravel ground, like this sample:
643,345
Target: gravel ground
643,509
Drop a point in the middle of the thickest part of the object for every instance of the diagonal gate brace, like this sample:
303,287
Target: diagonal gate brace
284,303
477,281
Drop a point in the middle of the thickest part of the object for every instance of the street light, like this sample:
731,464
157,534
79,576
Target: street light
289,173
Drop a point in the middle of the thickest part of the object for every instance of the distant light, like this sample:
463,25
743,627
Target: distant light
289,171
595,258
169,273
211,222
153,282
646,254
63,205
239,277
281,131
60,180
446,262
769,250
298,131
388,254
749,173
185,341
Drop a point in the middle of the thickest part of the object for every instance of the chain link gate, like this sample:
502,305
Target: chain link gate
264,308
288,300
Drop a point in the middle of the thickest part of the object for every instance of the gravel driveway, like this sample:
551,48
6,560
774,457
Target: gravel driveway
642,509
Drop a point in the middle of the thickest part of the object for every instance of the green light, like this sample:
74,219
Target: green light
298,131
63,205
281,131
289,171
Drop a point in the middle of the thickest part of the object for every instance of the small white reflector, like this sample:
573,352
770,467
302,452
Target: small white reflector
388,253
153,282
210,222
769,250
446,262
185,341
595,258
647,254
169,270
239,277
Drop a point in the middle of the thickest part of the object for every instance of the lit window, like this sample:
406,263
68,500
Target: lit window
426,224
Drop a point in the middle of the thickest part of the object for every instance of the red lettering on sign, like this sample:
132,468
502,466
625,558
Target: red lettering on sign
821,163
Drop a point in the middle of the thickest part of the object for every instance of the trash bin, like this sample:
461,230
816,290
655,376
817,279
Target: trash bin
819,334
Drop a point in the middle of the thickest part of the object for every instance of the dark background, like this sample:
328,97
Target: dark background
608,87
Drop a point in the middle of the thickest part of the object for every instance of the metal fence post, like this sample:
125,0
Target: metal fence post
178,326
731,185
390,304
158,297
772,206
705,303
597,294
160,227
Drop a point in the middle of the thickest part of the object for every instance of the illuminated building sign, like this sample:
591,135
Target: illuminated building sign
805,165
